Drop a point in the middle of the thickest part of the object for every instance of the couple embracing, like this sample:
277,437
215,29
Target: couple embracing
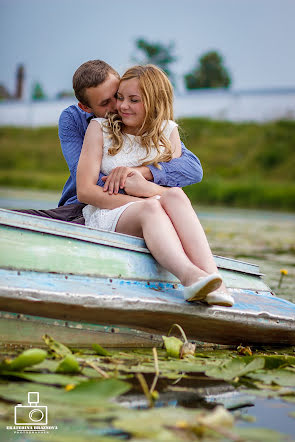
127,164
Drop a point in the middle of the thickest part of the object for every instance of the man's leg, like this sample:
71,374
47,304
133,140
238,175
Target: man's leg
71,213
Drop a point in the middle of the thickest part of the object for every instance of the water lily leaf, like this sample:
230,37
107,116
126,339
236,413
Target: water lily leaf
153,424
86,394
276,361
68,365
219,416
100,350
235,368
173,346
261,435
292,414
288,399
59,350
27,358
45,378
101,389
282,377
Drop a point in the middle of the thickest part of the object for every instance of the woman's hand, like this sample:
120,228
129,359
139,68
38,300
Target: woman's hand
137,185
117,178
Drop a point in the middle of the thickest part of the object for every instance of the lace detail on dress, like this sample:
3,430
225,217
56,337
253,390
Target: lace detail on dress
132,154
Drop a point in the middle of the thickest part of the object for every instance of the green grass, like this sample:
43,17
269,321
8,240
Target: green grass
245,164
32,158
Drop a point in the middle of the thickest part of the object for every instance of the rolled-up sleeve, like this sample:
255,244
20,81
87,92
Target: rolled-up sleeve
179,172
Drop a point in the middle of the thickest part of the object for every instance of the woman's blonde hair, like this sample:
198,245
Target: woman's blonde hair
157,97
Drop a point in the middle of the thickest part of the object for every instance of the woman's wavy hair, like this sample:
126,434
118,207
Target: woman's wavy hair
157,97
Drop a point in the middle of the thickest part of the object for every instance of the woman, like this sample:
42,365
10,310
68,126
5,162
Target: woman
142,133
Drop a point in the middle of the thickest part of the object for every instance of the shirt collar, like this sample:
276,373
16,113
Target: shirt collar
89,117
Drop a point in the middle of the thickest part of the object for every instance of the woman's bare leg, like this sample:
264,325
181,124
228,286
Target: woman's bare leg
189,229
149,220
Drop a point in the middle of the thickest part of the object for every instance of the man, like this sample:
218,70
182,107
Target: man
95,84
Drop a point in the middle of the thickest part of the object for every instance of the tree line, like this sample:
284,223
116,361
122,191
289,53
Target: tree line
209,70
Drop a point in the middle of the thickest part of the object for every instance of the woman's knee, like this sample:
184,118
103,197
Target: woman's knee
174,195
151,207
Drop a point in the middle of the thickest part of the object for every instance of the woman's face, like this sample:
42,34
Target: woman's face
130,105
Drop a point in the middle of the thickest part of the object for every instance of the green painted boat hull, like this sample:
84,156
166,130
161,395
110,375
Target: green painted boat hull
51,269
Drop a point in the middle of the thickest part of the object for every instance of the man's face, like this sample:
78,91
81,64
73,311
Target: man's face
102,98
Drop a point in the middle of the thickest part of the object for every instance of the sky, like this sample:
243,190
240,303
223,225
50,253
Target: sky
53,37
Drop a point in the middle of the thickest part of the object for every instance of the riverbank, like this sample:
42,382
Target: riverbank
245,164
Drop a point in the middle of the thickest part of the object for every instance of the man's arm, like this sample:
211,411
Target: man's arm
179,172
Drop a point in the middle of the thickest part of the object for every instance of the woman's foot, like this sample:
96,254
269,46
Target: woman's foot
219,298
199,290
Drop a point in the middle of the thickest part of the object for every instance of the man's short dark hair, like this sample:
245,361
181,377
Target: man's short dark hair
90,74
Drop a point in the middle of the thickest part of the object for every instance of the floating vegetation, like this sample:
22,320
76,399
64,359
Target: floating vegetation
174,395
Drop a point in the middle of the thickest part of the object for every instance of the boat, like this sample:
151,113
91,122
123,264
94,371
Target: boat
83,285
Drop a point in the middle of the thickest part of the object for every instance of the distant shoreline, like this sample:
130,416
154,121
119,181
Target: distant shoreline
259,105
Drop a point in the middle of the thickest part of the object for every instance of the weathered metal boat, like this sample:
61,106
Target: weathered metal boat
83,285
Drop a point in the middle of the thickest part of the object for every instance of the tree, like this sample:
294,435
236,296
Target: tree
158,54
65,94
209,73
37,92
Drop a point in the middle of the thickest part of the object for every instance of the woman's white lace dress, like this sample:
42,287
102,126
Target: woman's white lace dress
132,154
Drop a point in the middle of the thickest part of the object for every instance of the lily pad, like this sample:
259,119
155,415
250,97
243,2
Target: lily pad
85,394
261,435
235,368
101,389
282,377
100,350
45,378
277,361
154,424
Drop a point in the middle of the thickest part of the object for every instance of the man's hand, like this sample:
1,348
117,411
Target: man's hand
116,179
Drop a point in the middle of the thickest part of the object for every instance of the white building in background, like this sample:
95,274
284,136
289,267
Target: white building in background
256,105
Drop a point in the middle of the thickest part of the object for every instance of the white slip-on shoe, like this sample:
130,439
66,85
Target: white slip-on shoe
200,289
219,298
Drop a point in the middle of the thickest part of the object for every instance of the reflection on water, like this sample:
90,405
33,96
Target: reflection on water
199,392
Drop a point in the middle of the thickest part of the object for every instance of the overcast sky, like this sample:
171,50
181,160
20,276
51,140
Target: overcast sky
53,37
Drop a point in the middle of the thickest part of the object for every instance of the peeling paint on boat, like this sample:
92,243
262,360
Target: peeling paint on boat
72,273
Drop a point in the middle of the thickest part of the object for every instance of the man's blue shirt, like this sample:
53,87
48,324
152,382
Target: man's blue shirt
73,122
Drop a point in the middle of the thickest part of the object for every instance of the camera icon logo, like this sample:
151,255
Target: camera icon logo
32,414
